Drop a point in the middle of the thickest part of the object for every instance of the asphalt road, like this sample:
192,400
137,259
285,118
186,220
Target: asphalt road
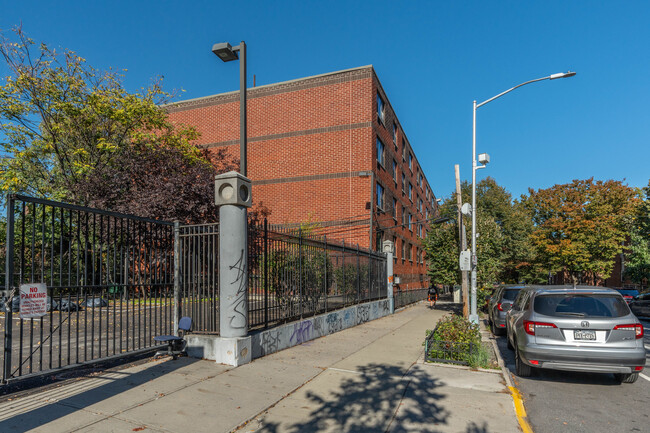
561,401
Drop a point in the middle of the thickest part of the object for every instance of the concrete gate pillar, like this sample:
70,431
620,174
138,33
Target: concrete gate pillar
233,346
389,249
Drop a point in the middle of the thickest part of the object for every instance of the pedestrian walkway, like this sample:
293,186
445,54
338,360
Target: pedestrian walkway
370,378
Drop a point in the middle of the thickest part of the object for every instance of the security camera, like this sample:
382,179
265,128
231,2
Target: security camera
484,158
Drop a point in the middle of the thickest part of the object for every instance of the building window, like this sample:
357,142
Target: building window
410,191
403,183
403,150
420,230
411,162
410,222
380,152
403,250
394,133
379,240
395,247
394,210
395,171
380,197
380,109
409,252
420,179
420,205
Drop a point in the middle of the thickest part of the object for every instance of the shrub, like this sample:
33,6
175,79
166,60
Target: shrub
458,329
452,341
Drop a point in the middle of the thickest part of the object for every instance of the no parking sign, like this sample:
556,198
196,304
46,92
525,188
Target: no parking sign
33,300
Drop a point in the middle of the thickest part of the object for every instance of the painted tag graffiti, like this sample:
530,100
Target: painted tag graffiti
363,314
238,319
334,323
301,332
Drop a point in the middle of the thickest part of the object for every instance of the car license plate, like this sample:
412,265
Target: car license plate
584,335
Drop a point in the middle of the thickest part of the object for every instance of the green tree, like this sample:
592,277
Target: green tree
580,226
637,259
441,249
510,255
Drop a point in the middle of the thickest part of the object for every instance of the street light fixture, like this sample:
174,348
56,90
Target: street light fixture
484,158
227,53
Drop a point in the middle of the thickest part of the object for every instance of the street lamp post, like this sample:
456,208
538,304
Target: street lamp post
227,54
484,159
233,196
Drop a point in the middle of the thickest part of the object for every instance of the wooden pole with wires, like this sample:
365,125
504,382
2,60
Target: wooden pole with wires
462,241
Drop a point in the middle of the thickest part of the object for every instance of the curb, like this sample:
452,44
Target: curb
518,402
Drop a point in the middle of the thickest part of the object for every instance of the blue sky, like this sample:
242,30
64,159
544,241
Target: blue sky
432,57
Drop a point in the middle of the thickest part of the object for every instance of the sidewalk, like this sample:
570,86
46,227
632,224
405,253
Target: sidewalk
369,378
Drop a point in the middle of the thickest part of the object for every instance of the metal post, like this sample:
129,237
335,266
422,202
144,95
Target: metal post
358,277
473,317
177,275
325,288
9,282
266,273
242,108
300,270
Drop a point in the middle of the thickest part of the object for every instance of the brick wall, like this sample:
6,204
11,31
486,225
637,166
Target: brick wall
311,148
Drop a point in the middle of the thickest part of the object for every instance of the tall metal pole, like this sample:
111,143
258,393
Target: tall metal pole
242,108
473,317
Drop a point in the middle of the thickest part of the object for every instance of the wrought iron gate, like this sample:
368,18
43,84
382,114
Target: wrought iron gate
109,279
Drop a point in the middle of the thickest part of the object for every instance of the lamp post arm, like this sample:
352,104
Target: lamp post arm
511,89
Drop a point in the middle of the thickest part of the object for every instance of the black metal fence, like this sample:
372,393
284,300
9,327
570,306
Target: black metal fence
109,278
115,281
406,297
448,352
294,274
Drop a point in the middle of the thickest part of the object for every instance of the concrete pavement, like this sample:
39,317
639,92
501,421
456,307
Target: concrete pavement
370,378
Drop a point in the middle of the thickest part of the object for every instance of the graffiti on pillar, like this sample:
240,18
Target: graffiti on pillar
238,320
385,308
334,323
301,332
363,314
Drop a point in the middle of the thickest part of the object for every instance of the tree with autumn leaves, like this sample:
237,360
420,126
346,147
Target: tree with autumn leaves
581,226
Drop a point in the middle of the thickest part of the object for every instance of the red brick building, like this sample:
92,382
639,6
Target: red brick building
328,150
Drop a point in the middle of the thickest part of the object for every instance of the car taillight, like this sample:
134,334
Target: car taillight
529,327
638,329
499,306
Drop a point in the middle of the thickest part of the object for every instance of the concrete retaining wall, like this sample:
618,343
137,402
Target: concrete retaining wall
291,334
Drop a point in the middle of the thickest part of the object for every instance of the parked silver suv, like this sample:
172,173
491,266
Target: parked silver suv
577,329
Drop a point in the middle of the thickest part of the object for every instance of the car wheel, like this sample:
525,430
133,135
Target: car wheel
522,370
626,378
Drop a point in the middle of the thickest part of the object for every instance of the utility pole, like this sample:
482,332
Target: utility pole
461,240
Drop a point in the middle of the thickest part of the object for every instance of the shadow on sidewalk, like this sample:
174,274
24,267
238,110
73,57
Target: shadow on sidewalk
22,415
380,398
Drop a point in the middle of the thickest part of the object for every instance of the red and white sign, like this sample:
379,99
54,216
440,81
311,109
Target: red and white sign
33,300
